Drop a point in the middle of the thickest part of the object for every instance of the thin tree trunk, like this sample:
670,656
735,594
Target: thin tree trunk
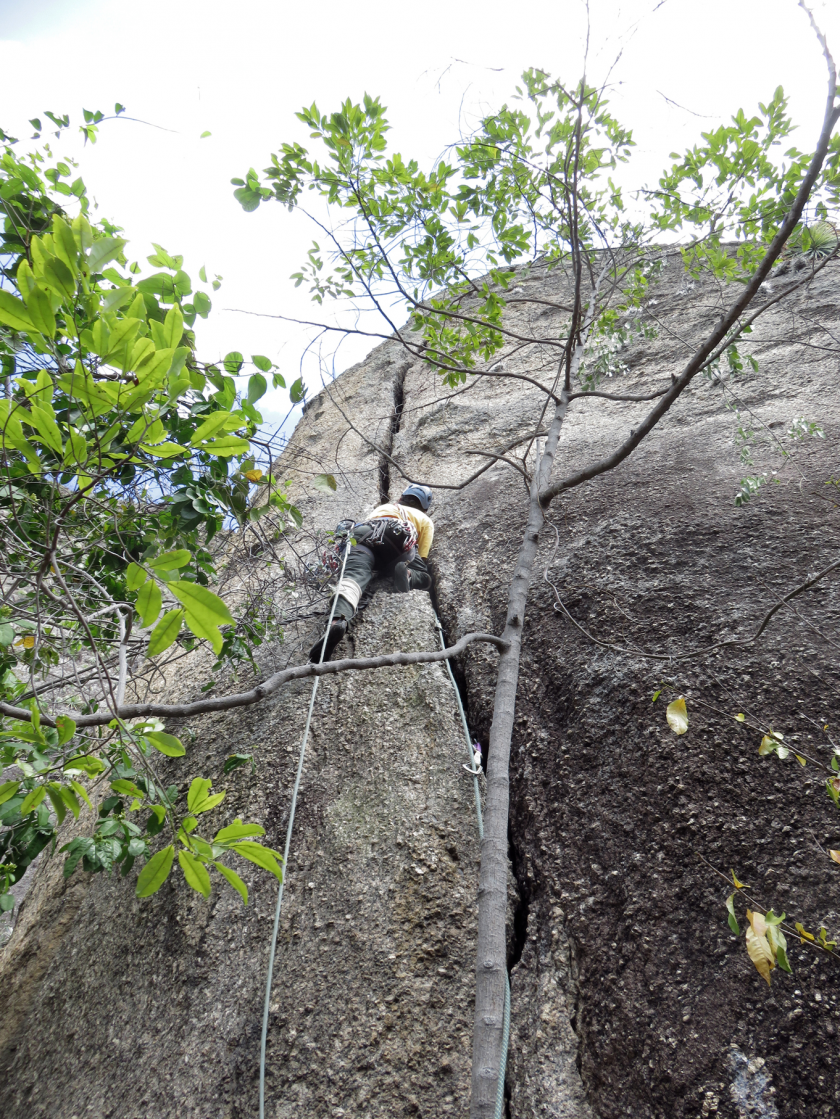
491,954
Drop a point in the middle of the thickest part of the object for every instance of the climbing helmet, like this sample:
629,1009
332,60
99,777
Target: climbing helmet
422,493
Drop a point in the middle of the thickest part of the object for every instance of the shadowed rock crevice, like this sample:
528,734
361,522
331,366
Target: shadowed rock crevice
392,432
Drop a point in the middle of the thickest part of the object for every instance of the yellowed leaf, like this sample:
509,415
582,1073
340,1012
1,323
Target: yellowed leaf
758,947
738,885
770,742
835,855
756,920
800,759
677,716
253,475
803,933
27,642
740,717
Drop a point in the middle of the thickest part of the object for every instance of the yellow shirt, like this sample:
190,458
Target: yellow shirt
425,525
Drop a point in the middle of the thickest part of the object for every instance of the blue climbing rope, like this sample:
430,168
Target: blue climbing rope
289,827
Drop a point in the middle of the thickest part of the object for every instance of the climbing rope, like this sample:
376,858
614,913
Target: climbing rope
500,1086
467,736
500,1090
289,827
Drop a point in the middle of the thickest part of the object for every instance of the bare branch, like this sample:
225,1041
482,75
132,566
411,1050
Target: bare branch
267,688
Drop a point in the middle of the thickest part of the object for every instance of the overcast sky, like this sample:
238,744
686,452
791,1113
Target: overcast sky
242,70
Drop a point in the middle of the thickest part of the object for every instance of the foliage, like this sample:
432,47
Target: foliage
766,944
122,456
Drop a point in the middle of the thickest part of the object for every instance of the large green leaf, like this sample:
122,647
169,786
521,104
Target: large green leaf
167,743
103,250
237,830
169,561
226,446
149,602
13,312
155,872
201,603
195,873
233,878
165,632
263,857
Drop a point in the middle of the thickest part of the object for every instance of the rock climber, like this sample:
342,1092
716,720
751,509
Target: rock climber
395,540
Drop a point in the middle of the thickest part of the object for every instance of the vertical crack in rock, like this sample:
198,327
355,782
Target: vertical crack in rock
522,907
393,430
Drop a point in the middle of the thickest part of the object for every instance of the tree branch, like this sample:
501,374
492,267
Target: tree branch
262,691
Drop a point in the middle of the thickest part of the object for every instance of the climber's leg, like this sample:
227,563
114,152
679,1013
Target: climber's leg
418,573
358,572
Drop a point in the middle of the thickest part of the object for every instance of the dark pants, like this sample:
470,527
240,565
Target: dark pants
365,561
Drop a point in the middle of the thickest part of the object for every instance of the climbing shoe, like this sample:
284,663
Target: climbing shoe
330,639
402,578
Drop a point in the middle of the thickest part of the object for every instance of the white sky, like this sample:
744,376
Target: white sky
242,70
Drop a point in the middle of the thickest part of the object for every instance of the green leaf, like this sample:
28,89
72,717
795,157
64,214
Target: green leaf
202,304
656,695
165,632
135,577
237,830
217,421
257,387
57,801
324,483
173,327
262,363
202,137
39,305
167,743
297,392
7,634
733,920
66,728
226,446
233,362
195,873
155,872
149,602
263,857
87,764
107,248
7,901
14,313
126,788
201,603
80,791
199,789
164,450
32,799
170,561
71,800
8,790
233,878
233,761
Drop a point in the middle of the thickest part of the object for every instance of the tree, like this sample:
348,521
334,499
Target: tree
123,457
533,183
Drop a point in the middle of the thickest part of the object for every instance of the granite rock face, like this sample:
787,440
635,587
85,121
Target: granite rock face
630,997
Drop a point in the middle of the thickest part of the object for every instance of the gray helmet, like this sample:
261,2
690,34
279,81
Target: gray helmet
422,493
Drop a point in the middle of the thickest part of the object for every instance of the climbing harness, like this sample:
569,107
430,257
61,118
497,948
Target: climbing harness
289,827
475,769
397,533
